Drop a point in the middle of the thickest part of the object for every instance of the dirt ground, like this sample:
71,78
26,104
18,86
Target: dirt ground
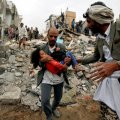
84,110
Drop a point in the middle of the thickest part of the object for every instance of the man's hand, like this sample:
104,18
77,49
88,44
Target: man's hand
67,60
32,73
102,70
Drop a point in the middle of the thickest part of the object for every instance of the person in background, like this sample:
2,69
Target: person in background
10,32
73,25
16,34
36,33
62,17
106,70
22,35
31,33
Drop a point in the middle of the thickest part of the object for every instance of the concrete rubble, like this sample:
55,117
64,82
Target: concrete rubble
16,85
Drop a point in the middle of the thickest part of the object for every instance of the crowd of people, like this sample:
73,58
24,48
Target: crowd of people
12,32
21,34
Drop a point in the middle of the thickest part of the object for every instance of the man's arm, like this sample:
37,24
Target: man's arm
91,59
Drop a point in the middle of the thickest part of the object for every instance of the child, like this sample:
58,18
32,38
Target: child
55,63
52,65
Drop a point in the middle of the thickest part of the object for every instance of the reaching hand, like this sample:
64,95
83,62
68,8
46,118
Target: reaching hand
32,73
102,70
67,60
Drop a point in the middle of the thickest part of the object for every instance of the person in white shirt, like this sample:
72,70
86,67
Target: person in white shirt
22,35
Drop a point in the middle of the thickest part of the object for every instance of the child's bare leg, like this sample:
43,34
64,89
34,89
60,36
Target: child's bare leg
20,42
24,43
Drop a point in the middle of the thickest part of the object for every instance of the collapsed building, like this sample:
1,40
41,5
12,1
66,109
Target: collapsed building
64,21
8,16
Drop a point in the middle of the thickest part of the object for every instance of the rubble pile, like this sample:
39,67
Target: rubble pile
18,87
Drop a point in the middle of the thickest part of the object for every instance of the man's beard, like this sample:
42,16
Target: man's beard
95,30
52,43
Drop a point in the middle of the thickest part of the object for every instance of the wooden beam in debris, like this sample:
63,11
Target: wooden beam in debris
68,30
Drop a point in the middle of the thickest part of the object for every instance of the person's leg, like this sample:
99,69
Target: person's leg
24,42
73,28
58,91
20,42
45,100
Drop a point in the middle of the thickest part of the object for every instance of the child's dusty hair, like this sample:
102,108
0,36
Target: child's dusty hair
35,57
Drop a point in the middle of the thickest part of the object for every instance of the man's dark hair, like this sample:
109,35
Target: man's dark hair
86,15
